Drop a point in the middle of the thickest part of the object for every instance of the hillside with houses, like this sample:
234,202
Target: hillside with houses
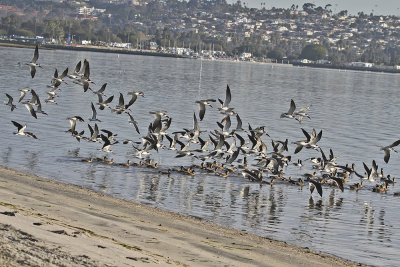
208,28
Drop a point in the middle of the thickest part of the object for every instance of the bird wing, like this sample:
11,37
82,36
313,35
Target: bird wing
102,88
78,67
10,99
133,100
94,112
202,110
386,155
367,169
292,107
16,124
233,157
108,100
65,73
23,93
316,138
35,98
121,100
228,96
227,124
33,71
395,143
31,110
91,130
318,186
35,55
298,148
56,73
306,135
239,122
72,121
339,183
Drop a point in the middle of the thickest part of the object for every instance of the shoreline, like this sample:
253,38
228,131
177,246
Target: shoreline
114,50
47,222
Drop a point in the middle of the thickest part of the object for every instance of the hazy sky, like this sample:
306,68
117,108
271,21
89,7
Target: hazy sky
378,7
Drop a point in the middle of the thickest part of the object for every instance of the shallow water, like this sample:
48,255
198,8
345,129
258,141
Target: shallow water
357,111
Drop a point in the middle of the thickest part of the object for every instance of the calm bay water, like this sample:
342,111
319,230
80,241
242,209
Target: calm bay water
357,111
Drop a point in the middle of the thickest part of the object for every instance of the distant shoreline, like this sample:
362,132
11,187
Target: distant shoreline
159,54
343,67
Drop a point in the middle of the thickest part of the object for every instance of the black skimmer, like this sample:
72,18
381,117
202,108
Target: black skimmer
174,141
225,104
101,90
21,130
314,184
83,79
203,104
387,149
23,93
31,110
302,113
10,102
110,135
133,98
103,104
289,114
72,121
121,106
57,80
32,65
75,74
133,122
94,133
94,114
107,144
371,173
311,141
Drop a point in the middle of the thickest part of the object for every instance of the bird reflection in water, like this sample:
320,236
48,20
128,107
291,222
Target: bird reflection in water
276,203
6,155
384,232
154,188
74,152
32,159
367,219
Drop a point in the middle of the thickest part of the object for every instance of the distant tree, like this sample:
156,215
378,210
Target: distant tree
313,52
308,7
342,13
275,54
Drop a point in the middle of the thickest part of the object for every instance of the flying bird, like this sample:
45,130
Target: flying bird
203,104
21,130
32,65
387,149
289,114
10,102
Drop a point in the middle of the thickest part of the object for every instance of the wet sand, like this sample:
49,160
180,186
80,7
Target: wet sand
46,223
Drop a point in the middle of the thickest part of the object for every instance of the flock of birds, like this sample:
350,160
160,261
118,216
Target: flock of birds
224,151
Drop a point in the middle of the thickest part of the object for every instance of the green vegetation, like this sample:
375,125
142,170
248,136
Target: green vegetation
313,52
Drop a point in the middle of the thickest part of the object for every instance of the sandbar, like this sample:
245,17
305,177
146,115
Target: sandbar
48,223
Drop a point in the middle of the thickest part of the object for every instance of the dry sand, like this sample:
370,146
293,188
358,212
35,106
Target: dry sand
46,223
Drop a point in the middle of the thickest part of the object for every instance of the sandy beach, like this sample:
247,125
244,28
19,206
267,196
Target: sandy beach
46,223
